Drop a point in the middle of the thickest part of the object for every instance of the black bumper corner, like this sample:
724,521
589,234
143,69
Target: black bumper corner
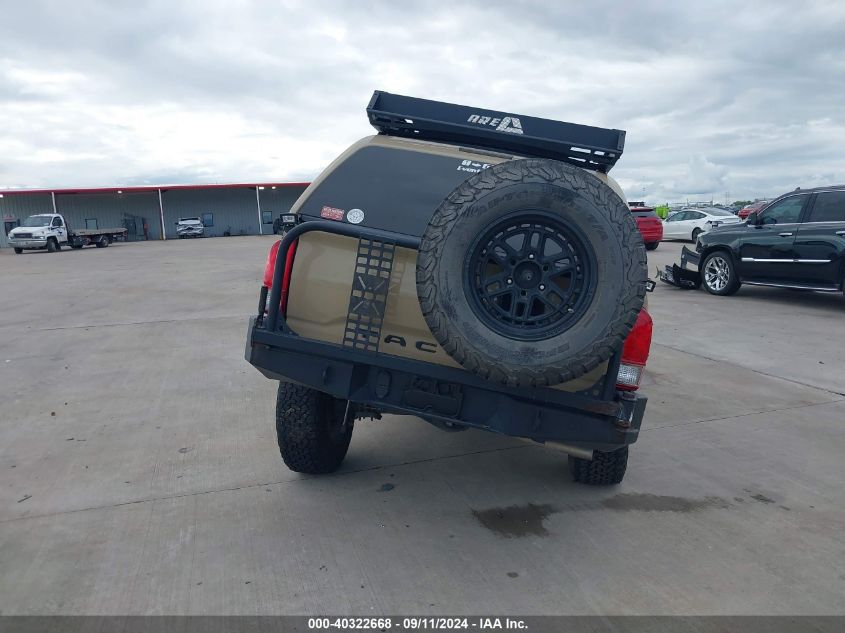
387,383
684,275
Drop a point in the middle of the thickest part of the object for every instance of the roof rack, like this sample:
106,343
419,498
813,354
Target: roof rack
583,145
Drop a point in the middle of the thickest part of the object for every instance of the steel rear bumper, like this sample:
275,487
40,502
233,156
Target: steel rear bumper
684,275
603,419
447,395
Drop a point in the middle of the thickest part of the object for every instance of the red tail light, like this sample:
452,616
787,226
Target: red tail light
635,353
270,268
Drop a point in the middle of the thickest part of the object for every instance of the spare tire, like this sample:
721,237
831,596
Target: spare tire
531,272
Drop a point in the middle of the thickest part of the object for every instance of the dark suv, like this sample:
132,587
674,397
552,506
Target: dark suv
795,241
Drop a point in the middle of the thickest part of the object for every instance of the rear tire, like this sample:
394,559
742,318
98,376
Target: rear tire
718,274
18,251
695,234
605,469
651,246
102,242
52,245
310,428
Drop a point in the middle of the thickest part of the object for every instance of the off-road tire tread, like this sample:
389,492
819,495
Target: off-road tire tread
605,469
444,220
303,444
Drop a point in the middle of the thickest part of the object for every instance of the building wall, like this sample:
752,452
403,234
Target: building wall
234,209
277,201
17,207
231,209
113,211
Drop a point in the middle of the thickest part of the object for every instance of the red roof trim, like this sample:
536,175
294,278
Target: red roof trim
17,192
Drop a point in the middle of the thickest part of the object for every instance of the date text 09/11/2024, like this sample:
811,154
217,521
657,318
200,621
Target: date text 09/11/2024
417,623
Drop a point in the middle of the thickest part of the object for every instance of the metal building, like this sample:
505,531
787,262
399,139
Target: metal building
152,212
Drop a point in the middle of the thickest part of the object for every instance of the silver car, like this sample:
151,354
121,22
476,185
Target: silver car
189,227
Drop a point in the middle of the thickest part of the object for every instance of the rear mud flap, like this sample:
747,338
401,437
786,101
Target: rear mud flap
679,275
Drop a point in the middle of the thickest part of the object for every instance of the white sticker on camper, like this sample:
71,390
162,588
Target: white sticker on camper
355,216
472,166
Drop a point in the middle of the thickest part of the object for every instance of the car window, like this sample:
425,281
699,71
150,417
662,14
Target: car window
57,222
829,207
694,215
679,216
787,211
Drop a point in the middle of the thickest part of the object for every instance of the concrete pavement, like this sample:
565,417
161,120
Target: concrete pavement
140,472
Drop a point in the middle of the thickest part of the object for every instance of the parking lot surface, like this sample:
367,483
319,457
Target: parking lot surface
140,472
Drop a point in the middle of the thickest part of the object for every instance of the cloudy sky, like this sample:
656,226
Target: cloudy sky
738,99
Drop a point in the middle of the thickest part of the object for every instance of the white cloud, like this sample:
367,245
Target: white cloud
723,97
701,177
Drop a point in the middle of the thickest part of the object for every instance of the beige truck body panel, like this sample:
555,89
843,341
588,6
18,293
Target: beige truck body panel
318,300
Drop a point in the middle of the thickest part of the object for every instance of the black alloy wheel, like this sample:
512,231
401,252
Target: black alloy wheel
530,276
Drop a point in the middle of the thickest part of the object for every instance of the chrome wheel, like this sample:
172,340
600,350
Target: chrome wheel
717,273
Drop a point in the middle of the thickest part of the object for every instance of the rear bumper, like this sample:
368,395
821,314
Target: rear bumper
602,419
652,235
447,395
684,275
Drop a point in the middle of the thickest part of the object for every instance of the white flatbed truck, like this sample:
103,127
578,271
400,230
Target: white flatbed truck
50,231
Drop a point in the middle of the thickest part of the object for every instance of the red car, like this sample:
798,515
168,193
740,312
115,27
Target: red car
649,225
745,211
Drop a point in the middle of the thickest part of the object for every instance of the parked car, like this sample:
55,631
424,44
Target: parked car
688,224
189,227
795,241
748,209
462,286
649,225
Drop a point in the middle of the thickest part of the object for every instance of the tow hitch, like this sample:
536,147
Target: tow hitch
679,275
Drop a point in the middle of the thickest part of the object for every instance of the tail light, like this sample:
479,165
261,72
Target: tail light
270,268
635,353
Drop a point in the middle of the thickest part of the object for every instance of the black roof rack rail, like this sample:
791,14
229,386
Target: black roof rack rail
589,147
